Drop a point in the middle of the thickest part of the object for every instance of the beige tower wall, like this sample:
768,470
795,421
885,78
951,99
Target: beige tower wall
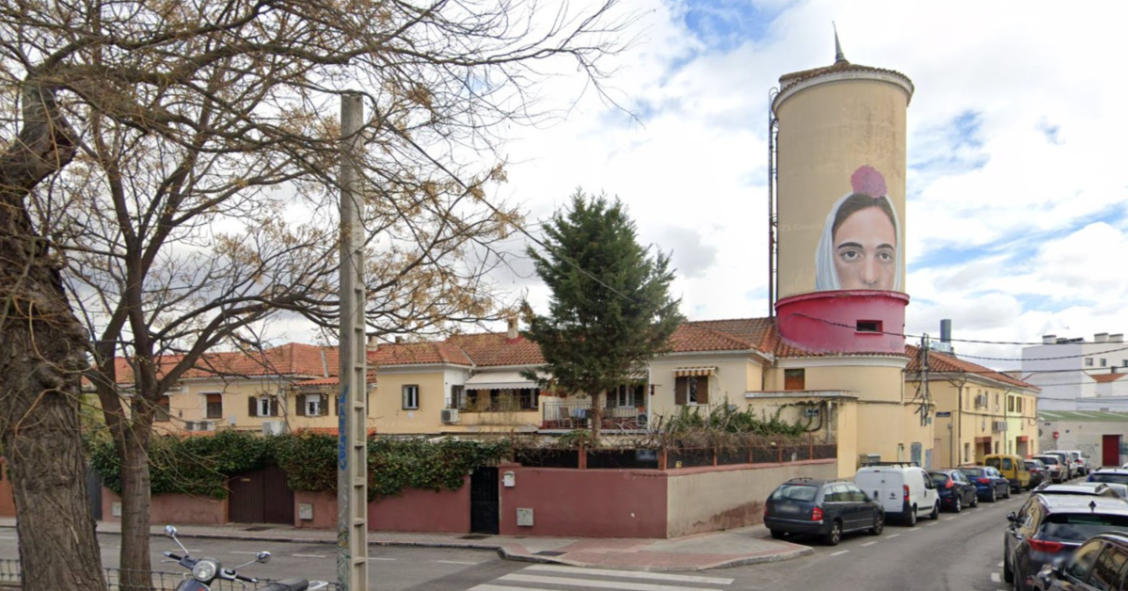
826,132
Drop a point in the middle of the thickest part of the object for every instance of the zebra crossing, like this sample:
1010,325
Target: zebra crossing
551,577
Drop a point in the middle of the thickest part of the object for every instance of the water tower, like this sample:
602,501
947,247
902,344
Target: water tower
837,269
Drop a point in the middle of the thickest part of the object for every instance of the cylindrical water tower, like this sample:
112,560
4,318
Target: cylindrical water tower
840,168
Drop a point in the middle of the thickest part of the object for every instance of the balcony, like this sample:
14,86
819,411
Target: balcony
558,413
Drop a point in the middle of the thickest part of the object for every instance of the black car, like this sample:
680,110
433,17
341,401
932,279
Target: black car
955,490
1098,564
827,508
1050,527
1037,471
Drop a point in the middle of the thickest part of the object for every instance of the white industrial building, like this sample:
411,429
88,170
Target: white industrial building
1079,375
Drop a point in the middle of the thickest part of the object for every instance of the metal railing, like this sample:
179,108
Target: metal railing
576,414
11,575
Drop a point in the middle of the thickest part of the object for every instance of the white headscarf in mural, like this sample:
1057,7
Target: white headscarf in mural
865,181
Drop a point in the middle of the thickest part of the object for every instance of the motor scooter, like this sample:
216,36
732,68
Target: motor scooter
206,570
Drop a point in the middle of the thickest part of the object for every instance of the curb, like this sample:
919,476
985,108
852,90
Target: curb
775,556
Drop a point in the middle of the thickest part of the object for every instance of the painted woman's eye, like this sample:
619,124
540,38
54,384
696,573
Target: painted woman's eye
885,256
850,255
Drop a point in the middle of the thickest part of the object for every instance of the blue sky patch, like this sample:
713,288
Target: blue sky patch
727,24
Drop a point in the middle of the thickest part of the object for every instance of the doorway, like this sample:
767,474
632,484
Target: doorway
1110,450
485,505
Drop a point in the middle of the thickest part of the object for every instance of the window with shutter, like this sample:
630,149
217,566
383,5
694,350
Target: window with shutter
794,379
681,389
214,406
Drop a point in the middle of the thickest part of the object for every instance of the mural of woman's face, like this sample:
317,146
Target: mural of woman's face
865,251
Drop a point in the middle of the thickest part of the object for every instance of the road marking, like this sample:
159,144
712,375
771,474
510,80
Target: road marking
457,562
892,536
930,523
550,568
868,544
949,518
311,555
840,553
912,531
379,558
581,583
995,578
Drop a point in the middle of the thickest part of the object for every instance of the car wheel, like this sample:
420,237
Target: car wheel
777,535
834,535
1007,496
935,512
992,497
975,500
912,516
959,504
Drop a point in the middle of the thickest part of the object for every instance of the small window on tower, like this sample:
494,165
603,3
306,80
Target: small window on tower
869,326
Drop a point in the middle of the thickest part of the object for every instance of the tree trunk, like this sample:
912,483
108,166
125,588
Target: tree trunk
135,504
42,357
597,414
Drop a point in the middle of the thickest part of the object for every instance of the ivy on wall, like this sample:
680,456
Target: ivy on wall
201,465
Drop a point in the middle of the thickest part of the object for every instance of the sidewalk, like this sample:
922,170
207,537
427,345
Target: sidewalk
748,545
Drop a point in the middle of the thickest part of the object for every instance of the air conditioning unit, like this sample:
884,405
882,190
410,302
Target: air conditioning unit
273,427
199,426
998,425
450,416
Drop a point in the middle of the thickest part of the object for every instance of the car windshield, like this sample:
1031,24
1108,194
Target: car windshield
795,492
972,472
993,462
1106,477
1049,460
1078,527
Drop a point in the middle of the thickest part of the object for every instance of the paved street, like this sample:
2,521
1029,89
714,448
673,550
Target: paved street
959,552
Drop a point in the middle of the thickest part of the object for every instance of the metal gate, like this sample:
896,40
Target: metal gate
262,496
485,515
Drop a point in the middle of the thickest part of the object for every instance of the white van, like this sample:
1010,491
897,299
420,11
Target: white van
1080,463
904,490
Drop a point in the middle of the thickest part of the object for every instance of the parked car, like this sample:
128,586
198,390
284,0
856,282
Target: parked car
989,484
904,490
1118,475
1054,465
1038,472
1067,466
1097,564
1081,488
955,490
1050,527
1012,467
827,508
1081,464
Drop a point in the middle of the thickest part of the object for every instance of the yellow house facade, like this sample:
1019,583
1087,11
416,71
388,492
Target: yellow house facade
978,411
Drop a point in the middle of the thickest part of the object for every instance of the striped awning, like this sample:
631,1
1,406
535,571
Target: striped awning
682,372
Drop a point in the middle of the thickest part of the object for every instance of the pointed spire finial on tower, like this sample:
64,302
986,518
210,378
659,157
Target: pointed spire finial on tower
838,55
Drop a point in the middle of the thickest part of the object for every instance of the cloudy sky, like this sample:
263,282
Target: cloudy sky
1016,221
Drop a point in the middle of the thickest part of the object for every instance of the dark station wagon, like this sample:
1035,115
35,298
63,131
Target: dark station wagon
826,508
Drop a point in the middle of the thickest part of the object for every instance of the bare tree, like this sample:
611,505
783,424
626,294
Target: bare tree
198,203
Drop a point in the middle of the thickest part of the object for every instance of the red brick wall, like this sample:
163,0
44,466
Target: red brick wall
585,503
7,503
413,511
173,509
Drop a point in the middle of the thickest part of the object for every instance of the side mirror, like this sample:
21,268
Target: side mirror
1012,517
263,557
170,531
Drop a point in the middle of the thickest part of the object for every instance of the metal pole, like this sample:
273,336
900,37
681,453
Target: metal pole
352,447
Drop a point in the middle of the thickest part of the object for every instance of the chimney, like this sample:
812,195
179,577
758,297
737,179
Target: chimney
1100,337
512,334
946,330
1049,339
372,343
399,339
1116,338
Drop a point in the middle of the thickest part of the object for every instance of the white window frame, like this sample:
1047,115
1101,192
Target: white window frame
262,407
411,397
312,405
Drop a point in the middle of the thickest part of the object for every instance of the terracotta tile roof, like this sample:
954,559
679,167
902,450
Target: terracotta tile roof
494,349
291,359
418,354
941,362
724,335
1107,377
838,66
